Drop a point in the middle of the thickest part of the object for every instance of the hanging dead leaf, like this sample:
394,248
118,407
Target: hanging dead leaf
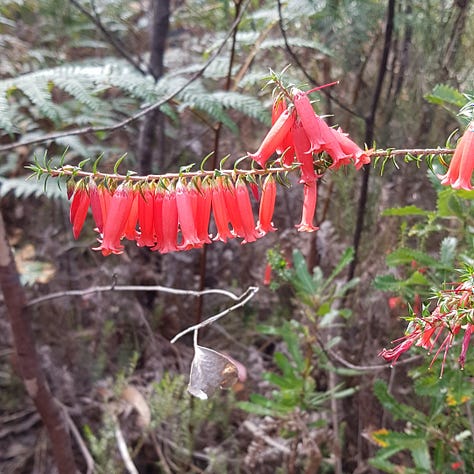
210,370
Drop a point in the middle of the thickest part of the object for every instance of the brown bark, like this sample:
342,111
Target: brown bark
27,359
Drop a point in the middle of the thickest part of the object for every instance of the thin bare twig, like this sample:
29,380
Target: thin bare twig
82,445
311,79
101,289
258,432
245,297
111,128
122,446
115,42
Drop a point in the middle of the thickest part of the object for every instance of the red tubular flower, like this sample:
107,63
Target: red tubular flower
453,313
274,138
246,213
267,275
462,164
319,133
130,231
267,206
105,197
95,205
278,107
202,212
220,213
146,199
233,211
392,355
158,219
309,208
465,344
116,219
302,145
79,207
359,156
184,202
310,121
169,222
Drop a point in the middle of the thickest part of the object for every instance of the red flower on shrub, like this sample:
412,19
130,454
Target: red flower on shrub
267,206
454,314
274,138
79,207
116,220
462,164
310,194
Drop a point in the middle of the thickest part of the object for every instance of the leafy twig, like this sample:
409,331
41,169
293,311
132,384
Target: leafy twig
76,171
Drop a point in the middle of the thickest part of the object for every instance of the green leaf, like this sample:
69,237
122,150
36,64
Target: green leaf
444,94
448,204
346,258
417,278
398,410
387,283
405,211
256,409
283,364
303,281
404,256
448,250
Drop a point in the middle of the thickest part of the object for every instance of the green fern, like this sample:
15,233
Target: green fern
85,84
25,189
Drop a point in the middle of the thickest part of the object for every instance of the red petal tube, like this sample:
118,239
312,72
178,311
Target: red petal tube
267,206
309,208
274,138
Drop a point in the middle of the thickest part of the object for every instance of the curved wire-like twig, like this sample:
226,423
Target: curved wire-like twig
101,289
244,298
111,128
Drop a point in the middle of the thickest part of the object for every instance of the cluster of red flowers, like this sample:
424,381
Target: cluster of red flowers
454,312
169,215
174,215
298,132
462,164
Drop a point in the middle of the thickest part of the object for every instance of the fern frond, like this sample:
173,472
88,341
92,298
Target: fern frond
24,189
6,122
243,103
195,96
37,89
298,42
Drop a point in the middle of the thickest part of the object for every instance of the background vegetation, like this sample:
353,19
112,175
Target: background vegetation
317,398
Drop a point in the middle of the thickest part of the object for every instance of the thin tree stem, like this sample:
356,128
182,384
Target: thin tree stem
369,137
27,361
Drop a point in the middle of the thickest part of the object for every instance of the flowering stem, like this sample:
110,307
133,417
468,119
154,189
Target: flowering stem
69,170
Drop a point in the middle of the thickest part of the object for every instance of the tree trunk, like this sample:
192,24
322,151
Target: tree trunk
151,142
27,359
